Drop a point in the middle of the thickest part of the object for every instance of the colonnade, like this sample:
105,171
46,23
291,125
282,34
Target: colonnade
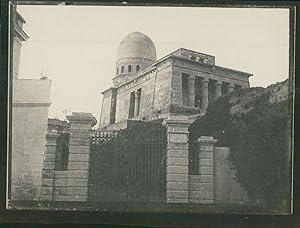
205,91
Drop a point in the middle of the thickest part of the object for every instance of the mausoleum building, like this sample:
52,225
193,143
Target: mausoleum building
183,82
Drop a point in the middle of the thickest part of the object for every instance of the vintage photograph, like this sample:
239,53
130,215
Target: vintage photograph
148,108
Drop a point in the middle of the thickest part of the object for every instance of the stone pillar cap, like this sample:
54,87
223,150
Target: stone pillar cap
82,117
177,120
207,139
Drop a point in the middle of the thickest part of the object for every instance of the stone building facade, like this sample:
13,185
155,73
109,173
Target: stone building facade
181,83
29,118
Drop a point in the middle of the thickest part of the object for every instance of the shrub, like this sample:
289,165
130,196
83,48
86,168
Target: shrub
257,130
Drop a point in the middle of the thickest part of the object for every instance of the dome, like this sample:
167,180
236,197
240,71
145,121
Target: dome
137,45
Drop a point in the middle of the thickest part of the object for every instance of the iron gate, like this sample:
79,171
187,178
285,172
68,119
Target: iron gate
129,167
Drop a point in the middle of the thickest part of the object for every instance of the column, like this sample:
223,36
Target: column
137,97
79,157
230,87
177,159
204,101
48,167
218,89
191,90
206,169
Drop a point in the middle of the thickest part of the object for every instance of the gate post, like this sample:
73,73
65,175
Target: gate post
79,155
177,158
206,168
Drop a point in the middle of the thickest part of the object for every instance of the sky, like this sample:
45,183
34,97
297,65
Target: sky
76,46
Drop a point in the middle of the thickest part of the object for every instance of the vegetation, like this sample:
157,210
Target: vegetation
255,124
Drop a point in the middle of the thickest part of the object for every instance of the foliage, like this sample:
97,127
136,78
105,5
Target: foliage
255,124
116,167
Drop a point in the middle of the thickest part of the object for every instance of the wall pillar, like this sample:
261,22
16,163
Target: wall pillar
230,88
137,97
48,167
191,90
177,158
79,157
29,129
218,89
204,97
206,168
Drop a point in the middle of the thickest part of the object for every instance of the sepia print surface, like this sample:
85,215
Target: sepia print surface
151,109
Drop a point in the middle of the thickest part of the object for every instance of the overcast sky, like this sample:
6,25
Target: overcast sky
76,46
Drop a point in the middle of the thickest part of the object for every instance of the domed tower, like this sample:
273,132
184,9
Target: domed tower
136,52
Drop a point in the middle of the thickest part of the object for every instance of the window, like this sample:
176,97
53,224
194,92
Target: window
129,68
138,94
198,91
237,87
211,91
112,118
122,69
137,67
131,105
224,88
185,92
117,70
198,101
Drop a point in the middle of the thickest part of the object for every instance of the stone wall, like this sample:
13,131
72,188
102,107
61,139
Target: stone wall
176,87
215,182
105,110
154,99
201,187
227,188
48,174
31,100
162,93
72,184
108,109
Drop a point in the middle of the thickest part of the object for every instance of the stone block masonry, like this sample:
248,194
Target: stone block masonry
48,181
212,185
31,100
177,159
216,181
201,186
75,188
72,184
